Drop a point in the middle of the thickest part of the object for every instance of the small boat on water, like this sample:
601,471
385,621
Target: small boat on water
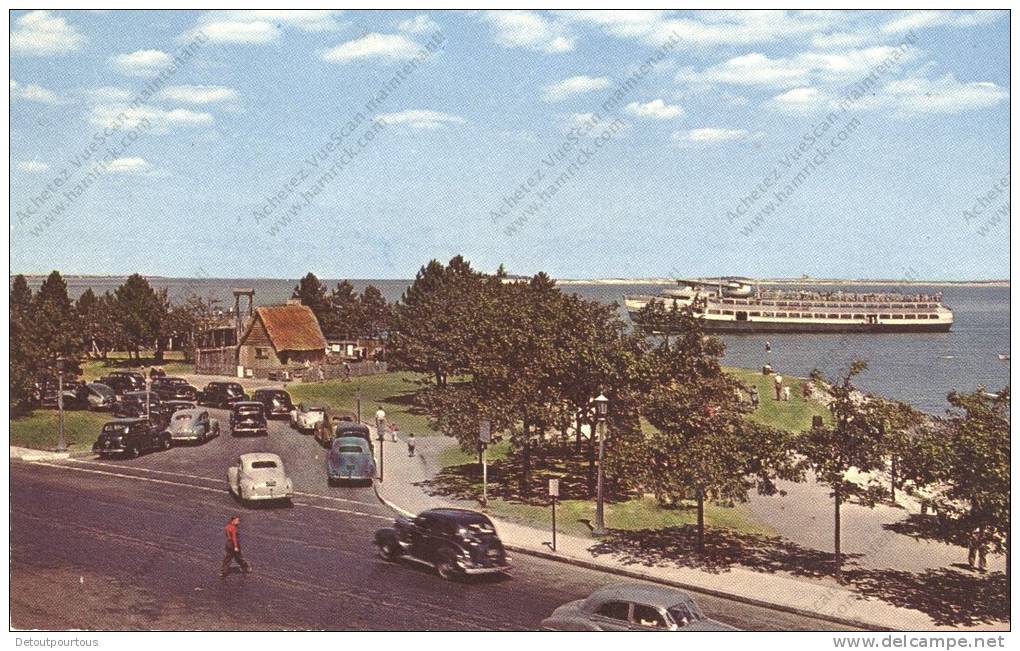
739,305
1004,357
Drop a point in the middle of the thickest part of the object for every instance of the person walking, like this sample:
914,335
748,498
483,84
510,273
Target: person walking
410,444
347,371
394,428
232,548
977,551
778,383
754,397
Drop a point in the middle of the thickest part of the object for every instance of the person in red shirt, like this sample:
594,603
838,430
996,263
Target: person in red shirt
233,547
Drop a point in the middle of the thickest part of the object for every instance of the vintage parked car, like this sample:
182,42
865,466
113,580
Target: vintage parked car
171,407
99,397
174,388
277,402
457,542
259,476
221,394
350,459
130,437
136,404
193,425
633,607
123,381
305,417
74,393
329,430
248,418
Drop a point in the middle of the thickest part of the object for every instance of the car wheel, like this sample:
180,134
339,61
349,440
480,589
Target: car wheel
167,443
389,551
133,452
447,566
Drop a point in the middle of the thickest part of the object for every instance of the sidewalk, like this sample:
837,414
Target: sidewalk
827,599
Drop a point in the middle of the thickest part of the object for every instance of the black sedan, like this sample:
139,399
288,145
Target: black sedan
277,402
457,542
221,394
248,418
130,437
174,388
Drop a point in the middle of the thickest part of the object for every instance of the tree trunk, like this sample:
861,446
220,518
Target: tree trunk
158,355
526,462
577,434
838,554
892,479
701,521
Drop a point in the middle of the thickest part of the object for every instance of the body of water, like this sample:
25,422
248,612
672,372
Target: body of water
918,368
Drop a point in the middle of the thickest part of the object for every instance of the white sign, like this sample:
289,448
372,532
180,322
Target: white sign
485,431
554,488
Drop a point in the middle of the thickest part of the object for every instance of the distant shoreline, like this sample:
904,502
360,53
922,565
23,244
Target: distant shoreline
813,282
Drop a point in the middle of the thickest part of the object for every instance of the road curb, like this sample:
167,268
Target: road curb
31,454
591,565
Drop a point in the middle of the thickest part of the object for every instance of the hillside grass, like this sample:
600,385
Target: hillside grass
394,392
40,429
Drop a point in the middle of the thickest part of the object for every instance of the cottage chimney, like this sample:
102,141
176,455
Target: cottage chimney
293,301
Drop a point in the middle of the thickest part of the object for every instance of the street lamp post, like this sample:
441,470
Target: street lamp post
62,443
601,410
357,398
380,428
148,385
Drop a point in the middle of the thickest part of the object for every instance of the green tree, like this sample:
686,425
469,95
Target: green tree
900,423
704,448
375,315
185,320
55,325
26,361
313,293
345,318
141,312
852,441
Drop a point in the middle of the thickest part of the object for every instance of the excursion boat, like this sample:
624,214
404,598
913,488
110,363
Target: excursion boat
739,305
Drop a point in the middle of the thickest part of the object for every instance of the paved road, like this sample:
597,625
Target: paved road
135,544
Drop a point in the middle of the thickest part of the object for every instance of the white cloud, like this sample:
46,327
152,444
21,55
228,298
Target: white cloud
42,33
911,20
571,86
709,28
158,120
710,134
32,166
372,46
132,165
420,24
943,95
109,94
802,100
838,39
141,63
657,109
529,30
198,94
33,93
421,118
756,69
262,26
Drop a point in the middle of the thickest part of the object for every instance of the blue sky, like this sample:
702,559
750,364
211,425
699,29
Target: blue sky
740,147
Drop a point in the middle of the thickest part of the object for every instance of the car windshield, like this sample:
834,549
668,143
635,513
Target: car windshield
684,614
256,465
234,390
182,417
249,409
349,448
115,429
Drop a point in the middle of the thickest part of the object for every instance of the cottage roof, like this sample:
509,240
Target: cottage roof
290,327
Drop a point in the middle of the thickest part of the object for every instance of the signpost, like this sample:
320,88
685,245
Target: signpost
484,438
554,492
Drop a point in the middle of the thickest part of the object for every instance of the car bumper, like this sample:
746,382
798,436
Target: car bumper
185,437
104,451
484,569
249,431
343,476
265,494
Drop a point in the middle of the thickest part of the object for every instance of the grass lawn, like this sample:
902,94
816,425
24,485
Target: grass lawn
632,515
795,415
173,364
38,430
394,392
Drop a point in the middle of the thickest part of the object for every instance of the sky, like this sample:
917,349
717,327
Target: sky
587,144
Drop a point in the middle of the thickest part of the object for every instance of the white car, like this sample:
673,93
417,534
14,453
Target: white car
305,418
259,476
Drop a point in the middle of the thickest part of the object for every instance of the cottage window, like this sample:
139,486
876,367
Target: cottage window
260,353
